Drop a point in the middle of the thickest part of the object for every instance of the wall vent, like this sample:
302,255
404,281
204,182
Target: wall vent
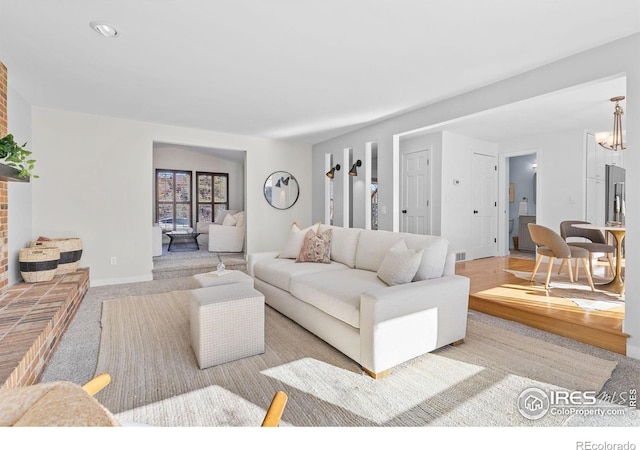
461,256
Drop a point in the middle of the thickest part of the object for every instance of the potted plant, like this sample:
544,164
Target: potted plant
16,156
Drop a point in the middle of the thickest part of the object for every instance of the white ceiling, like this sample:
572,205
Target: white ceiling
302,70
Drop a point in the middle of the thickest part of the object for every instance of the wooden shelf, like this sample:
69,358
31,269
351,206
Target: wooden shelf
10,174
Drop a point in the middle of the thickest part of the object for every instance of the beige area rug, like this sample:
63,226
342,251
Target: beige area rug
579,292
155,379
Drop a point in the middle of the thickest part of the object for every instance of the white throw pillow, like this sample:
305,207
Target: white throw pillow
221,214
229,221
295,240
400,264
240,217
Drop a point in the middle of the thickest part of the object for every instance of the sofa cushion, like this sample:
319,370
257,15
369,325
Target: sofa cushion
316,247
336,293
400,264
220,215
278,271
229,221
295,241
434,255
344,242
373,246
240,218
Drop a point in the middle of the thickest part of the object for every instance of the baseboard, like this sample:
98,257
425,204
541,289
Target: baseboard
110,281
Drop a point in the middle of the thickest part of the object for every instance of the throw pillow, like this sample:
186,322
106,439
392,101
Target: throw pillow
316,248
240,217
295,240
400,264
220,215
229,221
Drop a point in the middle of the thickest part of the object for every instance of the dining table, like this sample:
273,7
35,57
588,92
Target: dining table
616,285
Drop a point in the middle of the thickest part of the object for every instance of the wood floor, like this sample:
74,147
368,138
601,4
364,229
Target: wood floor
501,294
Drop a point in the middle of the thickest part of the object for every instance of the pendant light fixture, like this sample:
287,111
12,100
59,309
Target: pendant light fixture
613,141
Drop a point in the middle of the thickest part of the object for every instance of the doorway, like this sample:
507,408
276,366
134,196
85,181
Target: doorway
415,195
520,180
484,236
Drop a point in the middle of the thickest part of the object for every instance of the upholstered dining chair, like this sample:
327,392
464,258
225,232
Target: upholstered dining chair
597,243
550,244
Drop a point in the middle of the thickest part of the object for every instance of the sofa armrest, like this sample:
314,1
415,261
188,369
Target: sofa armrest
253,258
401,322
226,238
450,265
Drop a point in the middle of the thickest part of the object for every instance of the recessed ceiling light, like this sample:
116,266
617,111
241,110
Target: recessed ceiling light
104,29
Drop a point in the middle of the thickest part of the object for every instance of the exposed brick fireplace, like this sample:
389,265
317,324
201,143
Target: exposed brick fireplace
33,316
4,194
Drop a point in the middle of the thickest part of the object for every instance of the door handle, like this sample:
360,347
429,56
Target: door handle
404,211
475,211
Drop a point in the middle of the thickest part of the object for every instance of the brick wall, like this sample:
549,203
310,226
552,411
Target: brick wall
4,194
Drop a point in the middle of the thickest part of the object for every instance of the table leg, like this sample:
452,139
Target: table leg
617,284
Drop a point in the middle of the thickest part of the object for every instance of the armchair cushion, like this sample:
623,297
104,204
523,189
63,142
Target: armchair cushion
226,239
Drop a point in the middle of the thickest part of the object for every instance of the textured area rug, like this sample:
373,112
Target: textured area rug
155,378
577,292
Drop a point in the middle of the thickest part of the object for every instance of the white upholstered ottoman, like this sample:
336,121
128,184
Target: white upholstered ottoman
227,323
227,277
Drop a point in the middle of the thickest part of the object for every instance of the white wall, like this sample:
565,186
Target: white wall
457,207
561,197
20,234
561,175
94,184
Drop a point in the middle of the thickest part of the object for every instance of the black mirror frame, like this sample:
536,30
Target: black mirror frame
290,178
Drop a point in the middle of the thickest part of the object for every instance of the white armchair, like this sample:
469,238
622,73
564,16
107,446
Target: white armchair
224,238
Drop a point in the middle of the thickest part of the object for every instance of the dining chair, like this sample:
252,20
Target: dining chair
550,244
597,243
276,408
66,404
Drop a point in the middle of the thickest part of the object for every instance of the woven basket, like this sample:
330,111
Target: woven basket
39,264
70,253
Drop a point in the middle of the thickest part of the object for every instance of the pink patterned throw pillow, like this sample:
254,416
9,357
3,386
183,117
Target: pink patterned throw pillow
316,247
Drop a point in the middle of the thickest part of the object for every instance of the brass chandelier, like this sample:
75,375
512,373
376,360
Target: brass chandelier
613,141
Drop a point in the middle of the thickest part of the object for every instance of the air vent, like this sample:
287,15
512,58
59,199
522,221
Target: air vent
461,256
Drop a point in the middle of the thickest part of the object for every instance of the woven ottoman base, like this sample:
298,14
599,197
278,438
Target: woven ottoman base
227,323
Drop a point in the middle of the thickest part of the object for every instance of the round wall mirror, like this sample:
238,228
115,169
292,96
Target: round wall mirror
281,190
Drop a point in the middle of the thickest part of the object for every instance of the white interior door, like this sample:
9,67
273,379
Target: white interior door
484,223
415,211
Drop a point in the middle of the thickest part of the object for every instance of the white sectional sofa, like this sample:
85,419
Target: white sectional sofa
347,305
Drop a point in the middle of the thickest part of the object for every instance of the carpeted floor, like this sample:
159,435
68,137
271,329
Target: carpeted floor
157,380
77,355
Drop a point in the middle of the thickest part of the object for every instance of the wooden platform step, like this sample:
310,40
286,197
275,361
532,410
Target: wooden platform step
501,294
